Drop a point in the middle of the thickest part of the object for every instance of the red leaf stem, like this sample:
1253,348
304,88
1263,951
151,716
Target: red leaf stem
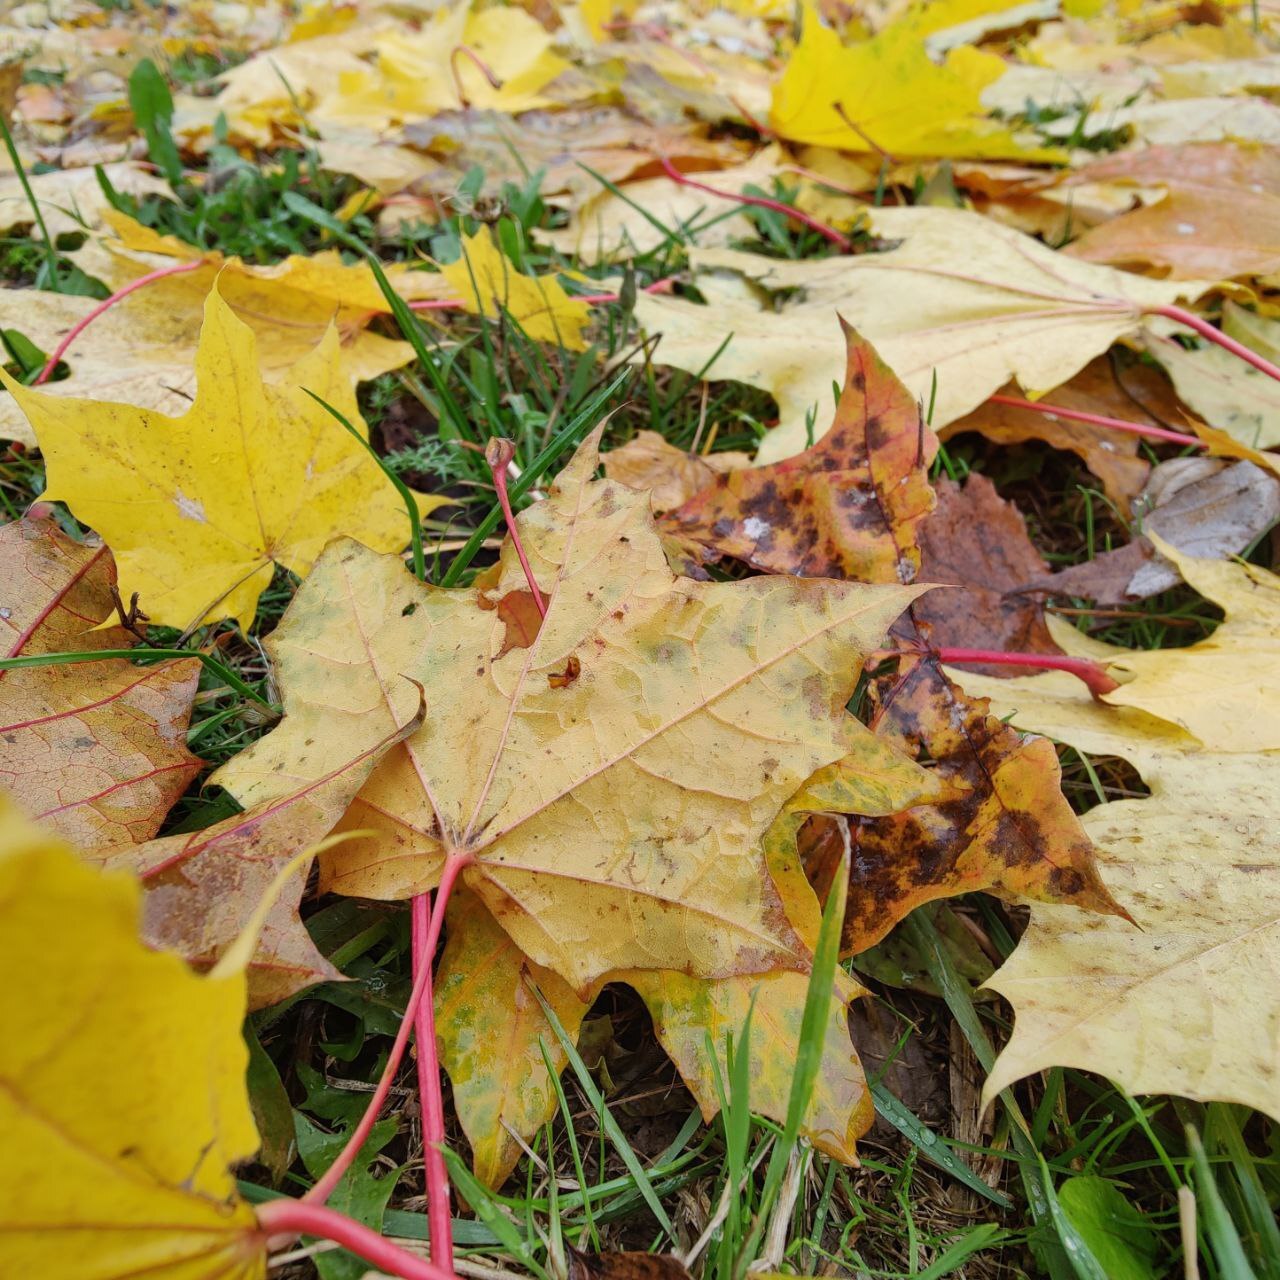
1098,420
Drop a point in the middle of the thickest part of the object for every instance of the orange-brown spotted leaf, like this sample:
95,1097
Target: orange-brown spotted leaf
96,750
1012,833
489,1022
202,888
848,507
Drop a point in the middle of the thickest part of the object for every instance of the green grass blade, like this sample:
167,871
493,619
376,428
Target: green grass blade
614,1133
1221,1232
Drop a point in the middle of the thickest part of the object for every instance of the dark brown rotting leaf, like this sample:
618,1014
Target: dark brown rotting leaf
624,1266
519,611
978,542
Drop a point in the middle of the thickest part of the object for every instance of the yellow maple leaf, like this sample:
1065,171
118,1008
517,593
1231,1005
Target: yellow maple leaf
487,282
887,95
1196,865
123,1099
621,769
198,509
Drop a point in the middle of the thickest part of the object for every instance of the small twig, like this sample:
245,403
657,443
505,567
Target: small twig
453,304
842,242
131,617
1098,420
485,70
498,454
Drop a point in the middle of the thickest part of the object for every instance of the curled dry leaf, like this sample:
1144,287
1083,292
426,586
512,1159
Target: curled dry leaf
672,476
848,507
977,543
202,889
123,1099
634,795
1138,394
1010,833
1206,507
1196,864
252,475
953,334
95,750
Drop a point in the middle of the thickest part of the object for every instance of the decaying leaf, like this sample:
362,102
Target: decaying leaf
1195,862
1011,833
634,795
95,750
953,333
250,476
202,889
688,1013
672,476
123,1099
1206,507
488,283
624,1266
489,1024
978,542
848,506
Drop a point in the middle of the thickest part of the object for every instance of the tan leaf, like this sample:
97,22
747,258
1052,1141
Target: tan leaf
672,476
954,332
635,794
95,750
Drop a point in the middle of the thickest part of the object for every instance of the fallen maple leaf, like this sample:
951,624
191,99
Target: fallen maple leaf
635,794
1195,861
1010,832
1224,691
847,507
1140,394
1219,217
71,200
95,750
953,332
202,889
690,1015
671,476
886,95
123,1099
489,1024
488,283
200,508
978,542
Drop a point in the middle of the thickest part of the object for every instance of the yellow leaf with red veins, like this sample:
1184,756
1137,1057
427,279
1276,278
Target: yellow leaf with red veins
1011,833
611,782
199,509
489,1024
876,778
96,750
848,507
202,889
122,1092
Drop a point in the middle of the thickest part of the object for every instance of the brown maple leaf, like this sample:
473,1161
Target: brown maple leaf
96,750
